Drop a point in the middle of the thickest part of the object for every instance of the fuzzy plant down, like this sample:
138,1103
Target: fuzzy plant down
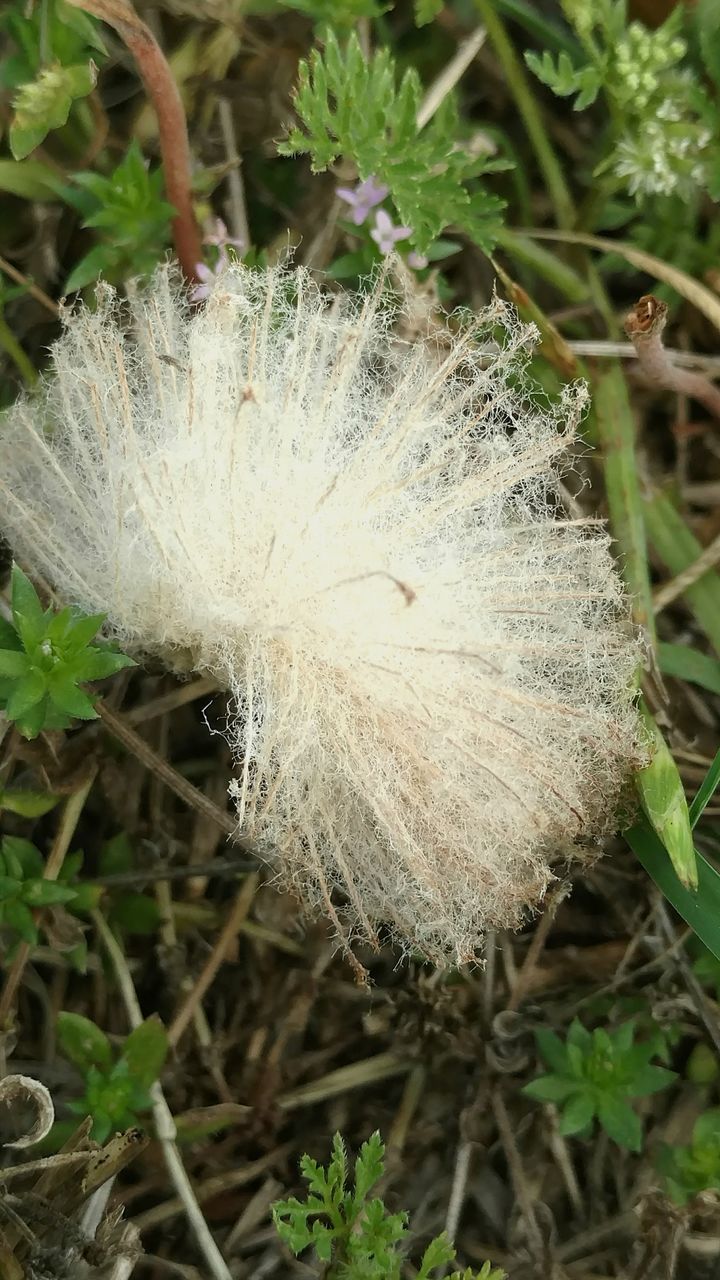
430,665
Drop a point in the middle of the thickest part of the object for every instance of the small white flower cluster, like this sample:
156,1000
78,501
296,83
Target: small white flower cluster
430,666
661,151
665,158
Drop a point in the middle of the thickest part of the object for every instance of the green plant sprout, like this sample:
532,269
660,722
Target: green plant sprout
23,888
353,1234
128,211
694,1168
45,657
50,68
426,170
593,1074
117,1086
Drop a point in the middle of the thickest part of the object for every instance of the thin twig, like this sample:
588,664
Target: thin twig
539,938
34,290
644,327
179,697
604,349
240,909
164,94
455,69
157,764
164,1123
670,591
459,1188
237,208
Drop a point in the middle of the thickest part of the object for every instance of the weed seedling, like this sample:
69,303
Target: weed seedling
594,1074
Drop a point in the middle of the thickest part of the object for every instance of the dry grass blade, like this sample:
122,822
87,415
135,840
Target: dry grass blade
692,290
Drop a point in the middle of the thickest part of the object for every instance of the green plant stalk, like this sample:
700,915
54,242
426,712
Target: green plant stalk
548,266
14,351
528,108
678,548
659,784
613,417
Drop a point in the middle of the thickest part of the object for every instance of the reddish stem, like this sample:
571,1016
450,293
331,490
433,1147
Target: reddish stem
644,327
164,94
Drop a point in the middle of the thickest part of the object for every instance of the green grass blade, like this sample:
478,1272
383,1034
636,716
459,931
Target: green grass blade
678,548
684,663
701,909
707,790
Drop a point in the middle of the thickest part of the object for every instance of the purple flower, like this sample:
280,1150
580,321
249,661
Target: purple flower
208,276
363,198
386,234
219,236
416,260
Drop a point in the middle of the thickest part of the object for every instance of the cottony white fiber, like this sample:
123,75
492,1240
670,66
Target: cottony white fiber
431,667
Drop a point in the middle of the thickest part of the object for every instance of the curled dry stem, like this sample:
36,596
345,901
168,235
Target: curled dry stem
163,92
644,327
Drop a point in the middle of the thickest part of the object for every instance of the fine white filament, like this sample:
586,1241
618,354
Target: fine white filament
430,666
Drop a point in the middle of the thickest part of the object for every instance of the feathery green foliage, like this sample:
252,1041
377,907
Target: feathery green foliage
352,1233
427,170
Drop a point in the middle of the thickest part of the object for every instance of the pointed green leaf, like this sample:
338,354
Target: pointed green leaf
83,1043
145,1051
620,1122
28,692
14,663
28,613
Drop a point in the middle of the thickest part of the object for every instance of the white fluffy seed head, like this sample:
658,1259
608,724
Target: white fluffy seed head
430,666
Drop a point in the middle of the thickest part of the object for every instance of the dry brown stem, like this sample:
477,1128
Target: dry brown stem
163,92
644,327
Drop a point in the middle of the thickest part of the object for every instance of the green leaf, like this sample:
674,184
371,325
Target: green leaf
79,629
369,1167
620,1122
44,104
14,663
82,1043
34,720
133,912
706,791
145,1051
45,893
707,1127
439,1252
20,918
97,664
552,1050
550,1088
577,1114
663,798
9,888
28,179
689,664
27,804
9,638
28,613
701,908
426,11
28,693
71,700
649,1079
116,855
